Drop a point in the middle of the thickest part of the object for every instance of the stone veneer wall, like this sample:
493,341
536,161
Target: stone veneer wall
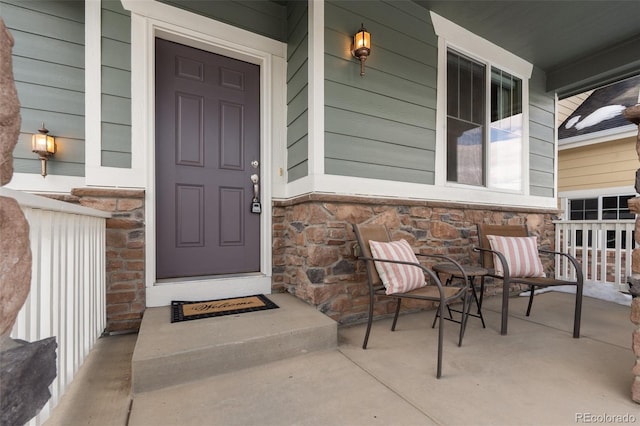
125,240
313,244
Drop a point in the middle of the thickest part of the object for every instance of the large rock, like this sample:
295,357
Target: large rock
26,371
15,262
9,107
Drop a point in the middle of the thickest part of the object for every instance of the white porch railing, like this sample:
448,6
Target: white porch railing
603,247
67,296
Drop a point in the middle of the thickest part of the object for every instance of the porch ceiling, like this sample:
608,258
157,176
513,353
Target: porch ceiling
579,44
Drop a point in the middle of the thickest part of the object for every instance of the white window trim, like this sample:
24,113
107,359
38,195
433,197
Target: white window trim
452,36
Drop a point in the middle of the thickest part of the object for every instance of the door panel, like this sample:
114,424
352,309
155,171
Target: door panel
207,134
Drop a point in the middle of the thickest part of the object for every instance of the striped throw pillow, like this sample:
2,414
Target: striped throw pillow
521,254
397,277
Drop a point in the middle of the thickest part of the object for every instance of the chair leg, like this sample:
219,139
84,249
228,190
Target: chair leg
369,321
531,294
505,307
435,318
440,339
480,302
466,308
395,317
578,312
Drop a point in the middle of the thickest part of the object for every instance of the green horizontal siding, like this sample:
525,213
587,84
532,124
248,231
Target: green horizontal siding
298,82
297,90
116,25
67,10
541,137
48,67
357,149
114,158
116,110
59,124
343,122
116,82
34,21
299,171
267,18
298,153
29,70
40,48
116,85
39,97
74,150
382,125
297,130
54,167
119,137
359,169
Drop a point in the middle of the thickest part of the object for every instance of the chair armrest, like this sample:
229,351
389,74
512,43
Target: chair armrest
500,256
426,270
450,260
574,262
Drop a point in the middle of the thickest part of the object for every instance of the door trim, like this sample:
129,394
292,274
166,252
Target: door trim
150,20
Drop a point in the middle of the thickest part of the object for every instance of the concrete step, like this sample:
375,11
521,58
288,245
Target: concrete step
168,354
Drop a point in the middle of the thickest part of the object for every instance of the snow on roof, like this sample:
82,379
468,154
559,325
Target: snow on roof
602,110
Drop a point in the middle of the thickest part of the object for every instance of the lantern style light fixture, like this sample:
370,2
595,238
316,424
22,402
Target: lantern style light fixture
44,145
361,46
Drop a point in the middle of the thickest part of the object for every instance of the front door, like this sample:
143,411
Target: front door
207,153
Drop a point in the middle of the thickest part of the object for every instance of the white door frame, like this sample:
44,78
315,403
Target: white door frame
150,19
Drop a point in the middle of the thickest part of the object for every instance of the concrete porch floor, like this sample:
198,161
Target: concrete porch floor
538,375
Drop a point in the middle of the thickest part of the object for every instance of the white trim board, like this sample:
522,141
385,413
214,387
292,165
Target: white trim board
609,135
334,184
96,174
316,101
35,182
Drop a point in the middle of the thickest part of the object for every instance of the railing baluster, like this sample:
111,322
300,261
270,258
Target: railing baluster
597,258
67,294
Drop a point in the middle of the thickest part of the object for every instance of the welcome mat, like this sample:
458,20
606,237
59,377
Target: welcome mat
185,311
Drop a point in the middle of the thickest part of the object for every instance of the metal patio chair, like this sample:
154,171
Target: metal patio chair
487,261
433,290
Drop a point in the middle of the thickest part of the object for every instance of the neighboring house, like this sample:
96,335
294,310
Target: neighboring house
597,158
597,162
165,110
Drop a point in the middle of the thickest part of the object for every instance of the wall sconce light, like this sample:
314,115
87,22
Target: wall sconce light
43,145
361,46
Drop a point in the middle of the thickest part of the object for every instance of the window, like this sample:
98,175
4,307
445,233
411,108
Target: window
484,148
583,209
482,120
616,207
602,208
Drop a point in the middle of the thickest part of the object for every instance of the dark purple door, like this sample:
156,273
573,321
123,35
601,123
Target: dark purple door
207,136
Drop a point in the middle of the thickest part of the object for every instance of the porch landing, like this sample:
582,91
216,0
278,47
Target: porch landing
536,375
167,354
